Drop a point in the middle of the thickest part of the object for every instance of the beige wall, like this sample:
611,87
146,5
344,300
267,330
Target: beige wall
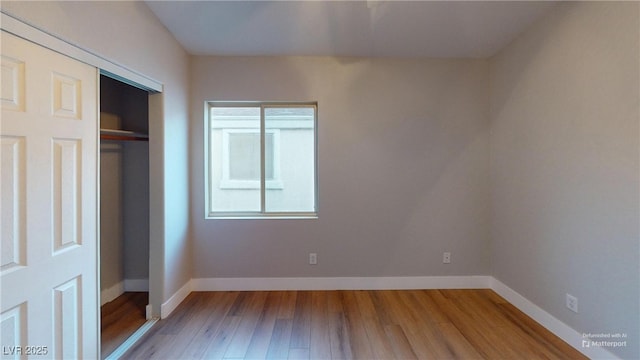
403,168
565,169
128,33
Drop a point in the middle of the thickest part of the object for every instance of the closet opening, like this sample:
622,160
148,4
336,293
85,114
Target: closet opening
124,211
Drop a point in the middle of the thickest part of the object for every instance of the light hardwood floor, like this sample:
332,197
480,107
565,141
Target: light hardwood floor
413,324
120,318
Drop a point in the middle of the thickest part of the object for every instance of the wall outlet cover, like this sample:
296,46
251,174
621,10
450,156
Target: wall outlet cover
572,303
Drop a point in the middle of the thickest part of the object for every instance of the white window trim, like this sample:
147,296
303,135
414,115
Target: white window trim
227,183
260,215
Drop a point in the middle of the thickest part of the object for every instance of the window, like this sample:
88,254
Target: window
261,160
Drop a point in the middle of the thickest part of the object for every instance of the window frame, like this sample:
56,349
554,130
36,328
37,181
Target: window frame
264,184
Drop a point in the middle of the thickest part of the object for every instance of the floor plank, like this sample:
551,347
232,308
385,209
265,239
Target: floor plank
320,347
205,332
261,338
279,345
249,318
401,347
412,324
120,318
376,334
358,339
301,331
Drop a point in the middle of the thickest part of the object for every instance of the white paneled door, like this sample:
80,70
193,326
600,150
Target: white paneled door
48,184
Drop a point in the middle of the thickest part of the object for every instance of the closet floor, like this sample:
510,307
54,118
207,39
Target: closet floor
121,318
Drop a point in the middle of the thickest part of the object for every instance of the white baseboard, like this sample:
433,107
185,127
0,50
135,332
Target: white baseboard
118,289
111,293
136,285
168,306
557,327
341,283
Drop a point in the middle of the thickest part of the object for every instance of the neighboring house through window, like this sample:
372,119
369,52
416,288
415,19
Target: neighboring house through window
241,159
261,160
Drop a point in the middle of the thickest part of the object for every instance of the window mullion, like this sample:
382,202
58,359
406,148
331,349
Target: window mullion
263,183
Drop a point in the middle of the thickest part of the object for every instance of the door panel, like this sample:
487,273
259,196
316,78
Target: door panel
49,203
12,180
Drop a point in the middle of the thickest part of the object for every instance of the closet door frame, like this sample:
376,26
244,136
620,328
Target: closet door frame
156,100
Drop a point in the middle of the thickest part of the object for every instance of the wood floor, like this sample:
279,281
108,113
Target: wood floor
121,318
415,324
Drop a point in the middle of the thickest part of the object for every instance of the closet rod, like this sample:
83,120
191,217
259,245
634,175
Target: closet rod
122,138
120,135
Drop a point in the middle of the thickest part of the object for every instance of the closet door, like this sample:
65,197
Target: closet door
48,187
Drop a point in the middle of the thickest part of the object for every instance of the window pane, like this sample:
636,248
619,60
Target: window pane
295,151
235,159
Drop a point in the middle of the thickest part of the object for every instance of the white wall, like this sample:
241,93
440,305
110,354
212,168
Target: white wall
565,169
128,33
403,168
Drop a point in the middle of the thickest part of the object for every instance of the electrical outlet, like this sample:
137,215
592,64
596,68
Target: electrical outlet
446,258
572,303
313,259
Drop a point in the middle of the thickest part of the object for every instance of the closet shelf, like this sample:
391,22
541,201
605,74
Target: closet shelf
122,135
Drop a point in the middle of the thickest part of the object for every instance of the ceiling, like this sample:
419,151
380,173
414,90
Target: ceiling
347,28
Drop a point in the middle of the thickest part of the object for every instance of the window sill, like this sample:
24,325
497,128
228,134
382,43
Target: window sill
305,216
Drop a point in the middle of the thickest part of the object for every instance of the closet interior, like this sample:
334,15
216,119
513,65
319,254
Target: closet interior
124,211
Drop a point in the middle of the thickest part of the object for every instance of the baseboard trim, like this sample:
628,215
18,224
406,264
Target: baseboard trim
136,285
168,306
341,283
120,288
111,293
551,323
